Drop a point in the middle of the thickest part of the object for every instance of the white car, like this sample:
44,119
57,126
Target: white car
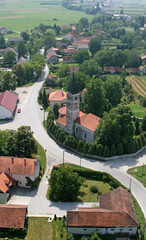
41,108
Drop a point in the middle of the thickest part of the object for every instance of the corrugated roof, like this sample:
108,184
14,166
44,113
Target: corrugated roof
12,216
8,100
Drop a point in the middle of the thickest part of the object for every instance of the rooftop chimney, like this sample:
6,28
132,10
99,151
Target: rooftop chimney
12,158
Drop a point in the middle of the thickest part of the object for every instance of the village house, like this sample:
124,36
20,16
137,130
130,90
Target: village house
143,59
8,104
15,39
12,216
4,50
75,122
4,31
52,57
116,69
115,215
19,169
52,49
57,97
21,60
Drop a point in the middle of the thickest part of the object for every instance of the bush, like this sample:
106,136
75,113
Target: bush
85,148
106,152
119,149
93,189
61,137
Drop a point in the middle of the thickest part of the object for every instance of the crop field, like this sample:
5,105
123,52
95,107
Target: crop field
20,15
130,7
138,84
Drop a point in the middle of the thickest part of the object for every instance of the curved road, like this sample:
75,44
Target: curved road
38,205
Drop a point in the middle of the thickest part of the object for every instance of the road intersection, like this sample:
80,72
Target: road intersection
32,116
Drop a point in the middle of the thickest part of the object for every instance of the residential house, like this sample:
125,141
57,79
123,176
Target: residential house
75,122
21,60
12,216
58,97
116,69
6,182
68,54
20,169
115,215
48,91
143,59
15,39
61,43
4,50
52,49
4,30
71,36
8,104
52,58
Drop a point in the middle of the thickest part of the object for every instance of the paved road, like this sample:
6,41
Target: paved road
38,204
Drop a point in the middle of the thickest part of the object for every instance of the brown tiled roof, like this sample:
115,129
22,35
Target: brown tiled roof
62,110
18,166
101,218
89,121
58,95
68,51
62,119
12,216
50,54
118,200
5,182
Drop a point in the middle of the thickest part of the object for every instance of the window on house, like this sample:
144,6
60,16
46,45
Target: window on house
76,98
112,229
84,229
130,229
121,229
76,130
85,135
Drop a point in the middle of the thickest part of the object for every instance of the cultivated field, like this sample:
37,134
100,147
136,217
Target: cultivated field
138,84
20,15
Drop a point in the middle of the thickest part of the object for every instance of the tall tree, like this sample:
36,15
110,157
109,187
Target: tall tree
8,81
19,71
9,58
84,22
81,56
91,68
2,42
94,97
64,185
44,99
21,49
22,143
94,45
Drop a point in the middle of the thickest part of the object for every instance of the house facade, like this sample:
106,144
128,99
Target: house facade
116,215
20,169
8,104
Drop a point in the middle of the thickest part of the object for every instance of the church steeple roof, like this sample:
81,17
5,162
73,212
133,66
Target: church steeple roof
72,86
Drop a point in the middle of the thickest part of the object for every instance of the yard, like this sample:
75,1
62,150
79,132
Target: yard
137,110
139,173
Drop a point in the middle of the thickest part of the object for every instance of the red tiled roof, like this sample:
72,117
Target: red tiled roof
62,110
8,100
12,216
115,69
18,166
118,200
5,182
58,95
50,54
101,218
69,51
143,57
89,121
62,120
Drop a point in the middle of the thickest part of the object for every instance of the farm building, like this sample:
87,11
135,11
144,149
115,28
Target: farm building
116,215
8,104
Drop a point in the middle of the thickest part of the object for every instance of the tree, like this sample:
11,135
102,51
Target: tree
21,49
25,36
81,56
95,237
64,185
55,110
113,89
137,127
119,149
8,81
144,124
2,42
84,22
9,58
94,45
94,97
63,70
22,143
44,99
91,68
19,71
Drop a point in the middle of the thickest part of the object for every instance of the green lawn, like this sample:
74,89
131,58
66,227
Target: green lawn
21,15
137,110
41,156
139,173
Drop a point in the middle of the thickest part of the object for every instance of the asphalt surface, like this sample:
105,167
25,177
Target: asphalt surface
31,115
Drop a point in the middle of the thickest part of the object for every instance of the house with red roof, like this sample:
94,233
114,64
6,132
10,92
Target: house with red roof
143,59
8,104
58,97
75,122
52,57
115,215
19,170
12,216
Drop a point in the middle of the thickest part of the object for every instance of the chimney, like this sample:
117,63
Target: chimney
12,159
24,161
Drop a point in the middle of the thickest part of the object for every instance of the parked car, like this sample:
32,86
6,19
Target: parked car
41,108
19,110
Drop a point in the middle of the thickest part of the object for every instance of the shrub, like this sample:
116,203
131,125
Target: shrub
120,149
93,189
113,151
61,137
80,146
106,152
85,148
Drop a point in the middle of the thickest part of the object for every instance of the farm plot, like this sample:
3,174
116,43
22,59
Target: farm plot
138,84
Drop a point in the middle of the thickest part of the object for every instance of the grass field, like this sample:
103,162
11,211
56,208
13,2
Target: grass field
41,156
21,15
137,110
138,84
139,173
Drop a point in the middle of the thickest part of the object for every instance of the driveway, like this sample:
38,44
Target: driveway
38,204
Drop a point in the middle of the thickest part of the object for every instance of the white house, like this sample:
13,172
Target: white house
20,169
116,215
8,103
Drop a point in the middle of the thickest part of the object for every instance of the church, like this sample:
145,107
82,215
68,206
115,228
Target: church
74,122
